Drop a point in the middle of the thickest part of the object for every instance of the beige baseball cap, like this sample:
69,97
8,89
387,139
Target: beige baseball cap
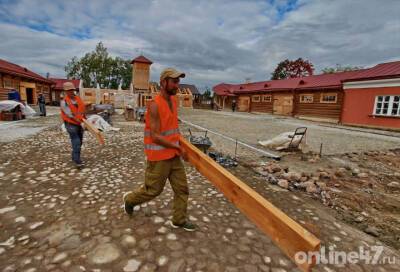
171,73
68,86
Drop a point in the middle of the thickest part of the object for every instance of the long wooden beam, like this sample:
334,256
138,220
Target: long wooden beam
286,233
94,131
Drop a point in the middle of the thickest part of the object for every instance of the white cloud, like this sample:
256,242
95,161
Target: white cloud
213,41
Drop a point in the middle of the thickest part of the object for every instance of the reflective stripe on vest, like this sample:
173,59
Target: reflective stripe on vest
164,133
157,147
77,110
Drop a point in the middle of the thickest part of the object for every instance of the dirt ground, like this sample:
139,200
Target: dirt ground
360,181
56,218
250,128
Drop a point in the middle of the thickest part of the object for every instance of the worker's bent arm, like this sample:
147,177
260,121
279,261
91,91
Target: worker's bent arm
68,112
155,128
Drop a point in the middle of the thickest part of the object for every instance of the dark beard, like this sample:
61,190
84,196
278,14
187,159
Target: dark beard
172,92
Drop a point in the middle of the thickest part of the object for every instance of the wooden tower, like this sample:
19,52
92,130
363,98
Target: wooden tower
141,73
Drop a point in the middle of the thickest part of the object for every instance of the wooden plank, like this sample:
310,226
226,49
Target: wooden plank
287,234
94,131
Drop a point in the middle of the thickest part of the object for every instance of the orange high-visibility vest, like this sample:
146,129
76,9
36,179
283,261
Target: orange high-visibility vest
78,111
168,129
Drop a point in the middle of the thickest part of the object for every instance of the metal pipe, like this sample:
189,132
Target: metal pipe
236,150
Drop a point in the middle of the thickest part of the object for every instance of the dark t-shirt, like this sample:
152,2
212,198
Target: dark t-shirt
41,99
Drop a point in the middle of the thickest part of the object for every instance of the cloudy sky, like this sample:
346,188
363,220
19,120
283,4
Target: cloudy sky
213,41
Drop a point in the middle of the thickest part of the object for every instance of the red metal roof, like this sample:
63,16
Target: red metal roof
383,70
325,80
14,69
309,82
60,81
141,59
224,89
270,85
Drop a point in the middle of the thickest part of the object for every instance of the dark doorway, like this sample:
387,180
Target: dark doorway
29,96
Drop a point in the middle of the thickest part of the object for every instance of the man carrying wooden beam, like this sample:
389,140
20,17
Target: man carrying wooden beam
163,152
73,114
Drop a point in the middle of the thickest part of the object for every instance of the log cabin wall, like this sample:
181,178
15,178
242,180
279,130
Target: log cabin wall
8,83
3,92
318,103
228,102
262,102
45,88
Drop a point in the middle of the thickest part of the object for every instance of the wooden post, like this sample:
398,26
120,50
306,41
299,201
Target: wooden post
287,234
320,151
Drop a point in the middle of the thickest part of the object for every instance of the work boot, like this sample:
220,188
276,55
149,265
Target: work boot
128,208
80,165
188,226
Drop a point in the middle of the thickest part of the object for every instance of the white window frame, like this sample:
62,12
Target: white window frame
306,95
256,98
328,94
267,98
390,103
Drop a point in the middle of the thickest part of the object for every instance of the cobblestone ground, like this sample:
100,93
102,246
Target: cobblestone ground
56,218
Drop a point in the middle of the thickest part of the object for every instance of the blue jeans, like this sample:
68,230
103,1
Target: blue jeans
76,134
42,108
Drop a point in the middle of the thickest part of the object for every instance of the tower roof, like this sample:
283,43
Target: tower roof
142,59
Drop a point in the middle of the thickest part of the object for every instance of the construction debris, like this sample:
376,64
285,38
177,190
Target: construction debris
140,113
12,110
225,161
201,142
285,140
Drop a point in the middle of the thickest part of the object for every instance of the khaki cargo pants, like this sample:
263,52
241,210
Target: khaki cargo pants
157,172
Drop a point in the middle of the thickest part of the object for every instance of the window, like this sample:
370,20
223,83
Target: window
15,84
8,83
255,98
267,98
388,105
329,98
306,98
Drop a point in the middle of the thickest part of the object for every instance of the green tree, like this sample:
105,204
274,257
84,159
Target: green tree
98,67
340,68
293,68
207,93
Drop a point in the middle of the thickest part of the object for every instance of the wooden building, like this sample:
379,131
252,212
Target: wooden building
56,92
27,83
141,74
320,97
192,89
146,90
327,97
224,96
